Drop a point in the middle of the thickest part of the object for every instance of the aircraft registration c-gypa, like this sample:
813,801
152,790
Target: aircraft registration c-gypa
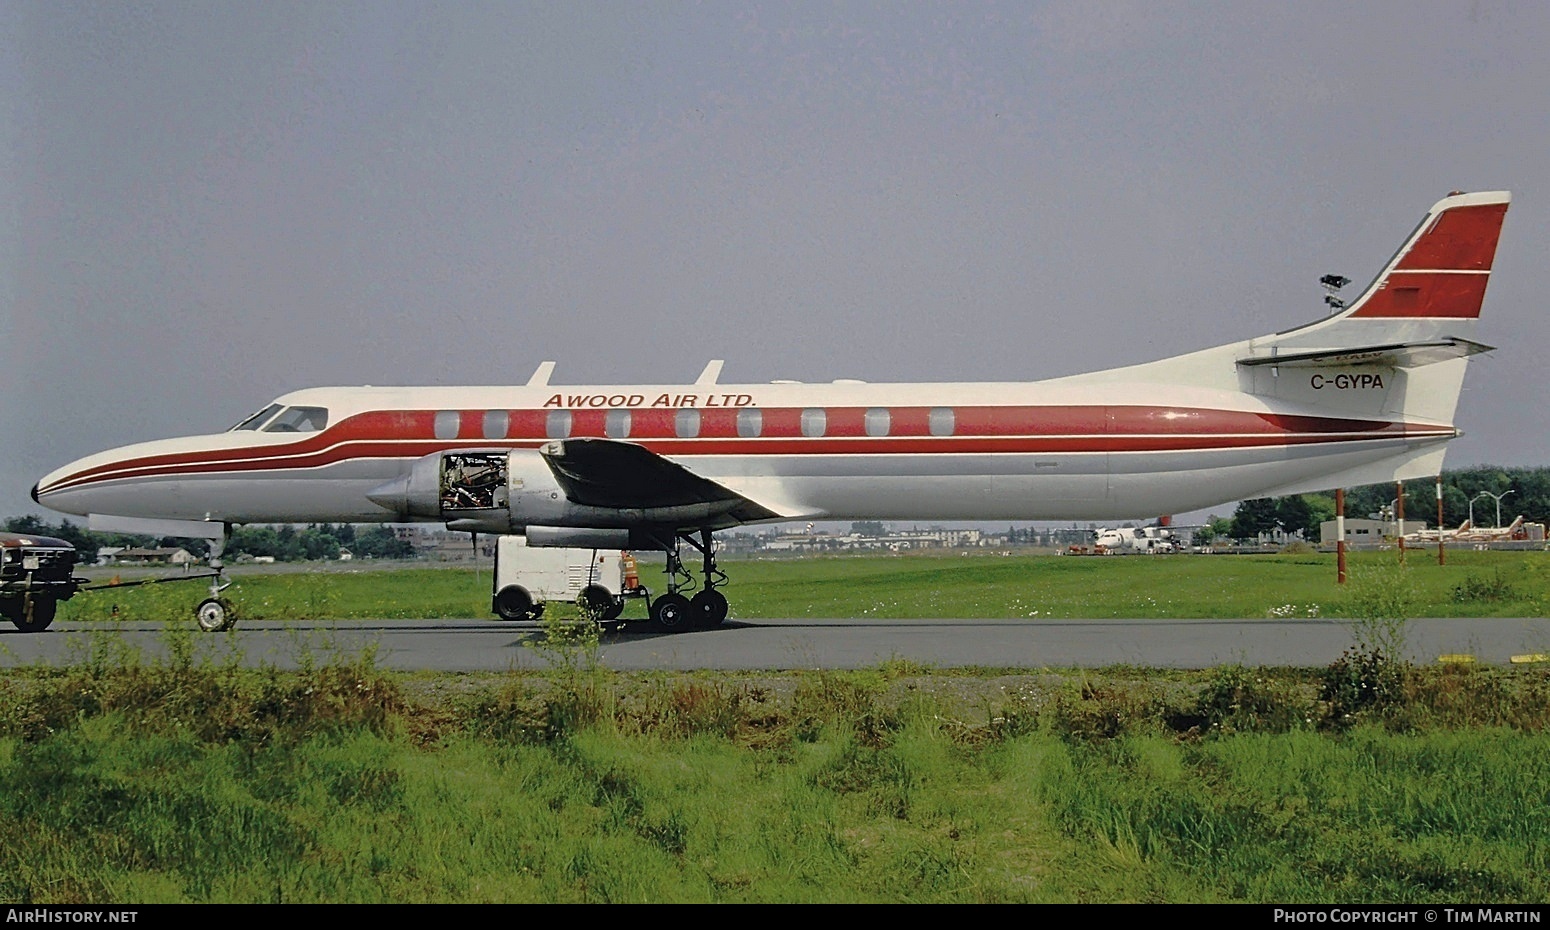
1364,395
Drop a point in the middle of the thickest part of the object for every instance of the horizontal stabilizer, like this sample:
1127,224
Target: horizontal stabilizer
1399,355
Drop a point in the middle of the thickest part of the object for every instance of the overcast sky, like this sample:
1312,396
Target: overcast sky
204,205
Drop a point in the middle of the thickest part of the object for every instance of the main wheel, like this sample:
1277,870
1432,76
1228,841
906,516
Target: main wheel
215,614
671,612
36,614
513,604
709,608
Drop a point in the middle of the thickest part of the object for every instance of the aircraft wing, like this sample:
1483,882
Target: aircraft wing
627,476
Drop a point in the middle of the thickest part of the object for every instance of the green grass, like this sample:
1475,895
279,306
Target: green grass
194,778
1130,587
190,780
977,585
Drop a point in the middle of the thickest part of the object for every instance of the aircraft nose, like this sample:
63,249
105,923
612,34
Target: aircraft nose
48,493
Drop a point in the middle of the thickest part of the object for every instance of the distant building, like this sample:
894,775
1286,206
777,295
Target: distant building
178,556
1365,533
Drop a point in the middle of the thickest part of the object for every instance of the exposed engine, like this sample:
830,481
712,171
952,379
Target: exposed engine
510,491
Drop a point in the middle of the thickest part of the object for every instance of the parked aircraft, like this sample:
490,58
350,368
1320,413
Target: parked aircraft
1424,535
1364,395
1135,539
1468,534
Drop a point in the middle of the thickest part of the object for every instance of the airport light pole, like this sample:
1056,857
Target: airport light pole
1498,499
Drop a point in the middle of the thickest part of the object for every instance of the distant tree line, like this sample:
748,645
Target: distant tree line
1522,491
284,543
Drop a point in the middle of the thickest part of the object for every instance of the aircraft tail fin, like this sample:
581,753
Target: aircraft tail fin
1441,271
1427,295
1400,349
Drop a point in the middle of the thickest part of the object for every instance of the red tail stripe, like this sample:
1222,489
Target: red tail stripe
1428,295
1461,239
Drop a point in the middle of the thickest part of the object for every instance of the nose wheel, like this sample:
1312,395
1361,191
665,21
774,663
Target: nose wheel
676,612
215,615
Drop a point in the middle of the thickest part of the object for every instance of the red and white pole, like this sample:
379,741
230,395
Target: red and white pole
1340,535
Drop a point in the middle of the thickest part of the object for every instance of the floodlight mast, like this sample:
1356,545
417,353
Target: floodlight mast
1497,498
1333,283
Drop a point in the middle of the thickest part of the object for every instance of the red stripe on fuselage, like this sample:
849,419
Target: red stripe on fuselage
1024,429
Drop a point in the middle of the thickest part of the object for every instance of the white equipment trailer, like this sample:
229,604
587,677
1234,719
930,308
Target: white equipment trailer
527,577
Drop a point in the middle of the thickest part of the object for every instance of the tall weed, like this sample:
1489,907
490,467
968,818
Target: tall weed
1371,675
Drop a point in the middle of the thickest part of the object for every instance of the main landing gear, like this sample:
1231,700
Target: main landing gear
676,612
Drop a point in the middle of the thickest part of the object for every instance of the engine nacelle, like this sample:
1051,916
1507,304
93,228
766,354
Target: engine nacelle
506,491
480,490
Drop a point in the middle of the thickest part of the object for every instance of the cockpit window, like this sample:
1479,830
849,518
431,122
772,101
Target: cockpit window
298,420
256,420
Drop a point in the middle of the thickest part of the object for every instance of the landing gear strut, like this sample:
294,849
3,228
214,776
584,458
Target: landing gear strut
215,613
674,611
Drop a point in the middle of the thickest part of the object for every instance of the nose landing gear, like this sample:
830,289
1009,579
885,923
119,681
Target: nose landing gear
676,612
216,614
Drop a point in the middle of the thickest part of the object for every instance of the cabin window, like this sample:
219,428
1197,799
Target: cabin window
258,419
557,424
943,421
877,421
496,424
447,424
686,423
298,420
750,423
814,422
617,424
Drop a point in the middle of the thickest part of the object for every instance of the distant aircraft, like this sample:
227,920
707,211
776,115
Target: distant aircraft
1364,395
1467,534
1149,539
1425,535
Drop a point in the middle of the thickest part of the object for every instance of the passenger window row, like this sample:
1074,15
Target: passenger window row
693,423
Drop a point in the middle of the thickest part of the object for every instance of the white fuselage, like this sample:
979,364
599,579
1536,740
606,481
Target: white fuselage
1064,449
